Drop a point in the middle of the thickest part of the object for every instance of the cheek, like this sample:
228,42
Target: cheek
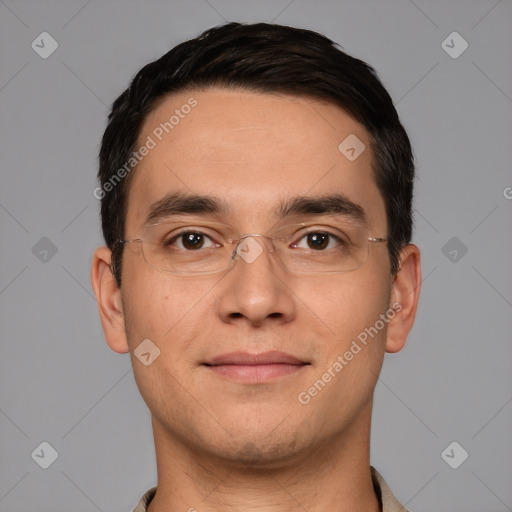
164,308
351,354
158,309
351,306
348,303
150,310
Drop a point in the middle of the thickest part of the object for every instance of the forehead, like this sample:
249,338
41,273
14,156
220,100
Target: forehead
252,149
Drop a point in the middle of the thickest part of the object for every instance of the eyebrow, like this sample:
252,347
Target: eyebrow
179,204
327,204
195,204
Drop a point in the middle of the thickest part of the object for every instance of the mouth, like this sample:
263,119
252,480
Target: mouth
255,368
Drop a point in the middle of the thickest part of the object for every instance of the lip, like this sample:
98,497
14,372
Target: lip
247,359
255,368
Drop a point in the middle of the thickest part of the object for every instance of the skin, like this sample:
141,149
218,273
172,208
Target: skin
221,444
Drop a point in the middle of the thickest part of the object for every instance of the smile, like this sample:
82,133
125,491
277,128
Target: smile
255,368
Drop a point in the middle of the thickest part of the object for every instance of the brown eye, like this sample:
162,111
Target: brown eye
192,240
318,240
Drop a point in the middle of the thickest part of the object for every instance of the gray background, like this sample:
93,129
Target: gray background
60,383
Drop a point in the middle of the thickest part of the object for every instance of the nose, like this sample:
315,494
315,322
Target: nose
255,290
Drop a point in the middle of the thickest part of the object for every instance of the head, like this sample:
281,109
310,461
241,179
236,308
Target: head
250,117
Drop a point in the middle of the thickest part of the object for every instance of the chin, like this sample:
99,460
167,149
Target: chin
256,449
261,456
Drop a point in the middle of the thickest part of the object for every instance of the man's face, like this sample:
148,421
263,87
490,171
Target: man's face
254,153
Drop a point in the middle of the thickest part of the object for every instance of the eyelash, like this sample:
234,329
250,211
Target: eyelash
176,236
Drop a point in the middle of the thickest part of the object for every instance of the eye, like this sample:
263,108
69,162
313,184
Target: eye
190,241
319,241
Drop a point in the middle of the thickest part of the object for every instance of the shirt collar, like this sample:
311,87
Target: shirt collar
388,502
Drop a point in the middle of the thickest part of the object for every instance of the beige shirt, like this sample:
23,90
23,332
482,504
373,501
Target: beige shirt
388,502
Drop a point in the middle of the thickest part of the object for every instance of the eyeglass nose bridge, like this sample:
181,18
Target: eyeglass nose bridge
250,252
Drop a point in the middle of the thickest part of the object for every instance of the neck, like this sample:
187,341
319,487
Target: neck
334,476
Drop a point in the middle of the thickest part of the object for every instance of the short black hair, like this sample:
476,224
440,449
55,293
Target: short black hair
269,58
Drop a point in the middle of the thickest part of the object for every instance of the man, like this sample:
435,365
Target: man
256,188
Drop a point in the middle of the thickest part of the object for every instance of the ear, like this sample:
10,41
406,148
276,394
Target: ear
108,297
405,293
